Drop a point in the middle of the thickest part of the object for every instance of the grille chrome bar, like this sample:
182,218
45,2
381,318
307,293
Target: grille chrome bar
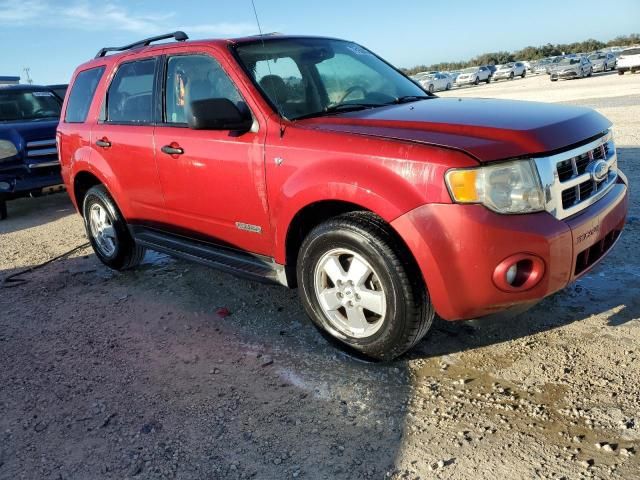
42,143
42,152
569,196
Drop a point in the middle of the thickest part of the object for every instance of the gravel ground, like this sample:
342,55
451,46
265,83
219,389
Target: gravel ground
177,371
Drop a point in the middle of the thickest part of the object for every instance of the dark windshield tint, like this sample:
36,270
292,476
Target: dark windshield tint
305,76
16,105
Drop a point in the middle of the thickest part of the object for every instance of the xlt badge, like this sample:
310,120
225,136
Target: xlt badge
248,227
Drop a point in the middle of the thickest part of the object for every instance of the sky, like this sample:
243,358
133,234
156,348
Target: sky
52,37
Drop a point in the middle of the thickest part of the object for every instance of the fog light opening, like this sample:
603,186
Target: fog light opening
518,273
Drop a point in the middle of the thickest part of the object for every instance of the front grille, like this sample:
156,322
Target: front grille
42,153
591,255
569,178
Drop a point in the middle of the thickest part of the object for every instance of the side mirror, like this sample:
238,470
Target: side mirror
218,114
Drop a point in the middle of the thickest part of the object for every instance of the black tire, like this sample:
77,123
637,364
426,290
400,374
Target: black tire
431,88
511,76
620,72
448,86
488,80
127,253
524,74
476,81
409,312
3,209
590,72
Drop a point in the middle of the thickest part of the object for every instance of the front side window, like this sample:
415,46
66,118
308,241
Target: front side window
81,95
130,96
191,78
304,77
21,105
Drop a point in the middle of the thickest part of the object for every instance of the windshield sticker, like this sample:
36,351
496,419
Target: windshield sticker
42,94
358,50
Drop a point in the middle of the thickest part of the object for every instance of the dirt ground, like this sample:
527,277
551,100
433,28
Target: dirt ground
143,375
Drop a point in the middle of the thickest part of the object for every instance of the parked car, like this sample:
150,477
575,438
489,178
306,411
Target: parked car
473,76
435,82
509,71
60,90
202,150
629,60
28,156
540,67
453,75
571,67
602,62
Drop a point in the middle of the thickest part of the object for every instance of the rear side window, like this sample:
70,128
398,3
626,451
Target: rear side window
82,95
130,96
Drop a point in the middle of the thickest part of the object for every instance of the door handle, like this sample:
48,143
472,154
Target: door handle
172,149
103,142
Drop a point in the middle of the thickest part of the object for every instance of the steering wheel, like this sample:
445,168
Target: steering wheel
350,90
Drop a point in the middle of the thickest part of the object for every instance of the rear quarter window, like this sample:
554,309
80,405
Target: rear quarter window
81,96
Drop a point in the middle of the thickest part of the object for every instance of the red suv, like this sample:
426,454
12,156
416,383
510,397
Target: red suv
314,163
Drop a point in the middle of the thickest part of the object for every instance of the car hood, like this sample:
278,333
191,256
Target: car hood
486,129
22,132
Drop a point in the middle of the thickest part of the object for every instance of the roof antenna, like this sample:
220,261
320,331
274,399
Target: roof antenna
275,92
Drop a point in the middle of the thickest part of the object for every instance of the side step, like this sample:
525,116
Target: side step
253,266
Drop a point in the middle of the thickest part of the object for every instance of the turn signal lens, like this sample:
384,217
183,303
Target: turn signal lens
463,185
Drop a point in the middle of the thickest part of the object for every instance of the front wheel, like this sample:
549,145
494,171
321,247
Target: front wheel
359,285
511,76
107,231
620,72
476,81
431,88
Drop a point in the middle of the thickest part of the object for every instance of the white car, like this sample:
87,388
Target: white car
473,76
510,71
435,82
629,60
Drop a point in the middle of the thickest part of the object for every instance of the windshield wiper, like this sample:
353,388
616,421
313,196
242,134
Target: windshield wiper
410,98
341,108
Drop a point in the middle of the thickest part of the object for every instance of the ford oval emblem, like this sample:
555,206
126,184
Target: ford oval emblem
599,170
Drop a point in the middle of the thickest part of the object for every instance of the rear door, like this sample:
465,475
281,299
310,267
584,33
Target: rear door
215,187
123,138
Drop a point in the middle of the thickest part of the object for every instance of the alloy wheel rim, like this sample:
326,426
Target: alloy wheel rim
350,293
102,231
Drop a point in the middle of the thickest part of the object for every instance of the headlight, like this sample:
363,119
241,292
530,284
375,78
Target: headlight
510,187
7,149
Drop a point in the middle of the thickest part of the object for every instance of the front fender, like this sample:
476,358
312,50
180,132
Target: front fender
387,187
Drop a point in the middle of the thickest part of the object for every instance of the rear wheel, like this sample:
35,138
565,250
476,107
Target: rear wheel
360,287
448,86
524,74
107,231
590,72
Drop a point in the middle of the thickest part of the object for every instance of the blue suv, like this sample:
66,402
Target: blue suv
29,162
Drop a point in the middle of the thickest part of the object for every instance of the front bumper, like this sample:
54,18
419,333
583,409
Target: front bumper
458,248
564,75
13,186
465,81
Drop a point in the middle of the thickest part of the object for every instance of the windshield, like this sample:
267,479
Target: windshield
303,77
569,61
596,56
505,66
469,70
17,105
631,51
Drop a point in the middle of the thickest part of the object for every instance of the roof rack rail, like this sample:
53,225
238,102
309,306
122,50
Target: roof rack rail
178,36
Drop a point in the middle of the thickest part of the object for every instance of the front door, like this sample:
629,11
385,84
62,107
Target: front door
213,180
